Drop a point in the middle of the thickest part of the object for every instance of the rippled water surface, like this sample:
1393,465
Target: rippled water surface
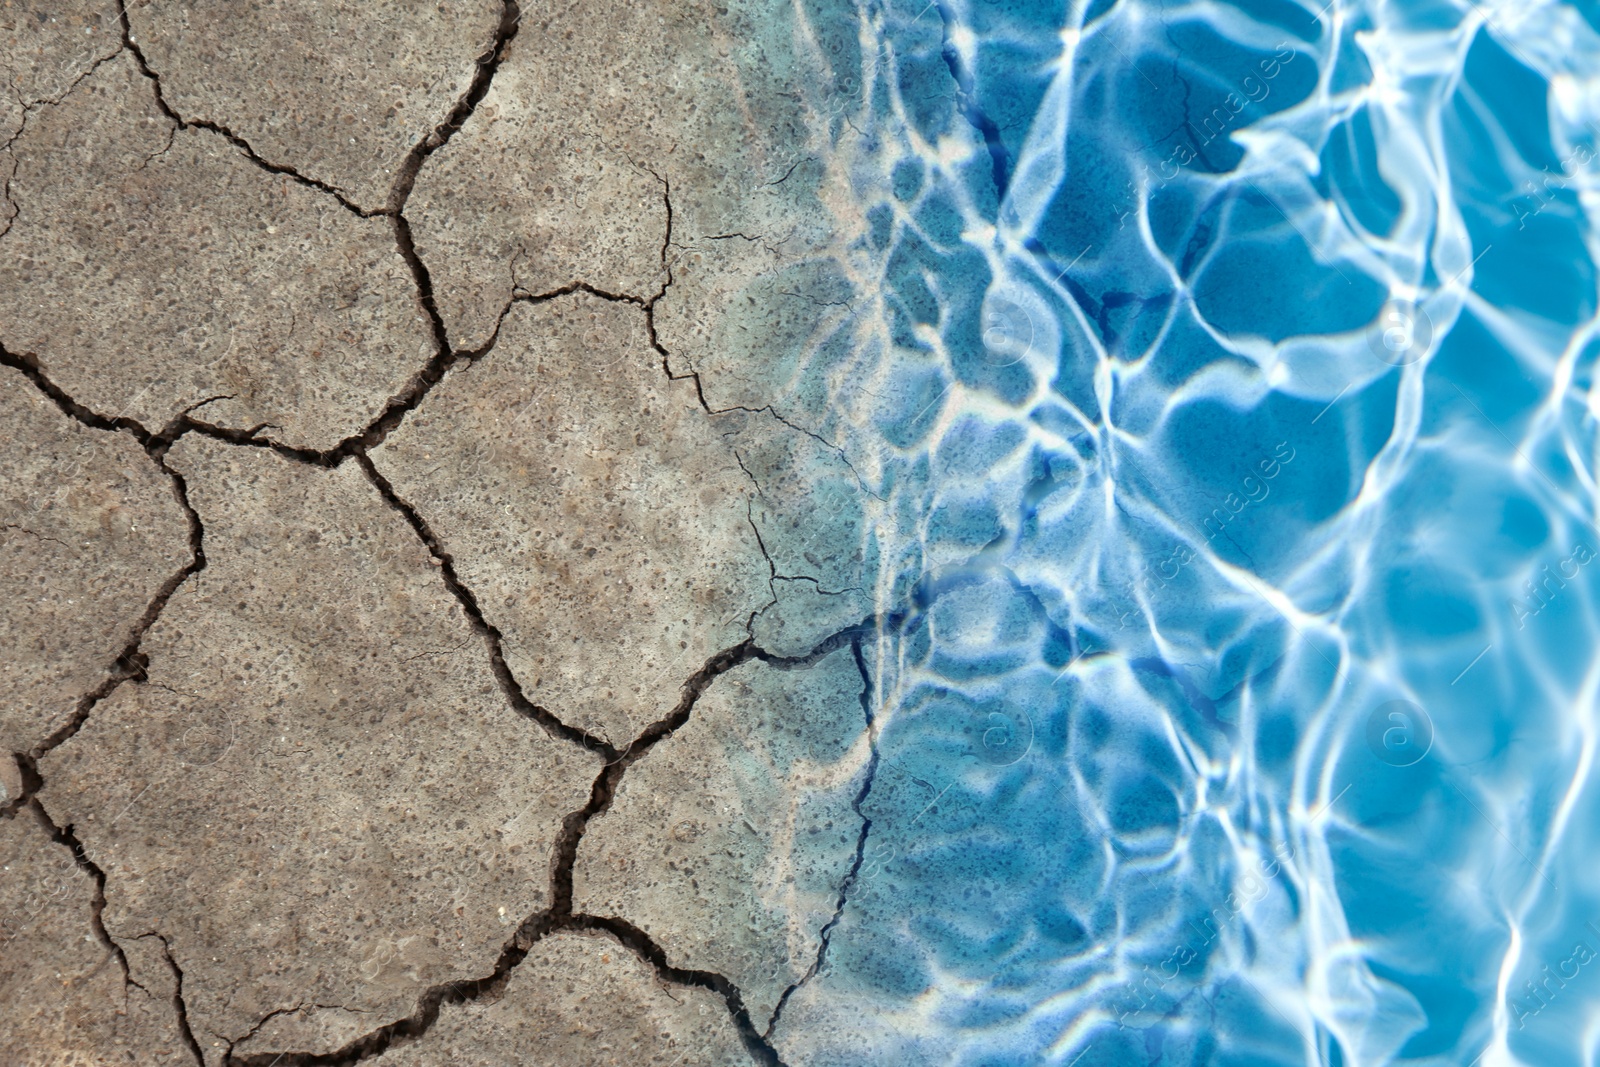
1226,371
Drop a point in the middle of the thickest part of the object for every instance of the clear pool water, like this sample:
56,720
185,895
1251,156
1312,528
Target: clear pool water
1228,374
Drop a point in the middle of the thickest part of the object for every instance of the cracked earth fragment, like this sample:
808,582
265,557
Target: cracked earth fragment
729,842
151,270
592,506
339,92
558,176
748,320
44,50
90,532
811,510
319,796
532,194
581,999
68,997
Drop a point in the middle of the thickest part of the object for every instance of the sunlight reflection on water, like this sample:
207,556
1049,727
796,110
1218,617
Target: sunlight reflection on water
1230,379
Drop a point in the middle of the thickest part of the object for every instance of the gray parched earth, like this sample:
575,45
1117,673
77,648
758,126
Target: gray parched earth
437,633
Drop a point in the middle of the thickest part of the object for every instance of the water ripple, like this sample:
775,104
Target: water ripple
1228,371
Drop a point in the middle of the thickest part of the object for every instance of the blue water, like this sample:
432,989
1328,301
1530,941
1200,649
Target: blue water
1227,370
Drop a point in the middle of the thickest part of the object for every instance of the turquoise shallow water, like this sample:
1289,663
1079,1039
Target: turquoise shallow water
1227,371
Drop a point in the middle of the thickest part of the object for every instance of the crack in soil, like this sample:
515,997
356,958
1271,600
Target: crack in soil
30,106
296,1009
487,630
559,915
375,432
36,536
400,194
825,935
64,836
133,49
28,109
400,189
837,450
180,1009
130,663
483,77
643,946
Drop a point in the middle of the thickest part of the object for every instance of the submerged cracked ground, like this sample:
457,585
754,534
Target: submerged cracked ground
982,532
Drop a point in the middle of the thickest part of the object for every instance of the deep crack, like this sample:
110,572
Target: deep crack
536,926
179,1007
490,633
130,662
64,836
643,946
444,355
605,784
482,79
219,129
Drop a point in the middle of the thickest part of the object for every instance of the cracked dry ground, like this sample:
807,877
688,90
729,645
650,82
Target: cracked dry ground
431,638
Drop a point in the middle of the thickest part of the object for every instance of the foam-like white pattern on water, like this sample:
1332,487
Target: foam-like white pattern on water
1237,688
